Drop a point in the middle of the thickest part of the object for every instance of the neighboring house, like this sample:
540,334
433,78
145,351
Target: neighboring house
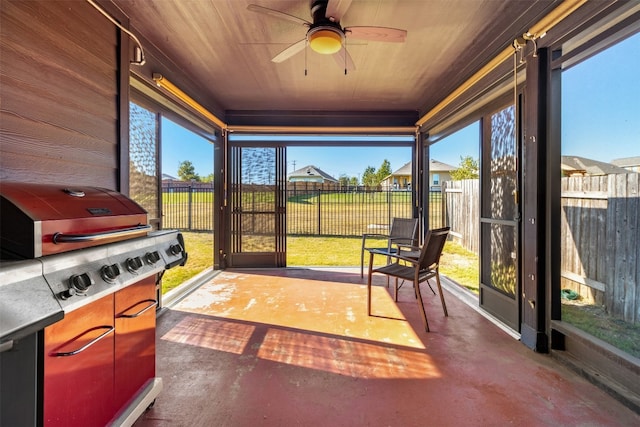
401,178
167,177
311,174
628,163
582,166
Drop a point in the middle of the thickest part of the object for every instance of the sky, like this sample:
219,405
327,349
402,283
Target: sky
600,120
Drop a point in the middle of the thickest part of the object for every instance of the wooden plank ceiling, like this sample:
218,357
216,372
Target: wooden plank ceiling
222,51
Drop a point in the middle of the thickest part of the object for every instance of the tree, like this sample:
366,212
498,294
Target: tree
383,171
354,181
369,177
343,180
468,169
187,172
372,177
208,178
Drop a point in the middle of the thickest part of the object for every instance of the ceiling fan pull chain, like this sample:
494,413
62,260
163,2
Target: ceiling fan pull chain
305,59
345,56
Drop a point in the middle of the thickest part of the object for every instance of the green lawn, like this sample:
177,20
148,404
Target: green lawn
199,248
456,263
595,320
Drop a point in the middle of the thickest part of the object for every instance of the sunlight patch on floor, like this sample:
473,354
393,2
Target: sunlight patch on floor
210,333
346,357
321,306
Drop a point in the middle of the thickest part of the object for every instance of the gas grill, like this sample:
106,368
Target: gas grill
78,295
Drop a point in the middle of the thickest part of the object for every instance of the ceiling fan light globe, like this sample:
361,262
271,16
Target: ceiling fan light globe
325,41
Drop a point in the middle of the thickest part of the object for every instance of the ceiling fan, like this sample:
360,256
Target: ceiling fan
325,35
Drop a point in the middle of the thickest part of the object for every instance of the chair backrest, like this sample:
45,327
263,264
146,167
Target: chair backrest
432,249
404,230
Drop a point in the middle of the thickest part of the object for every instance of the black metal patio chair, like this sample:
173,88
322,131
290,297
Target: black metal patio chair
415,264
403,231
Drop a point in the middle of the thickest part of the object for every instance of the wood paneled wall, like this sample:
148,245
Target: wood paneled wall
59,104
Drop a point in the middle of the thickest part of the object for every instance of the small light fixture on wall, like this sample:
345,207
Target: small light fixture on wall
138,52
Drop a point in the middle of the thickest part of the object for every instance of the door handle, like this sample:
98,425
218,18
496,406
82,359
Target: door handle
152,304
109,330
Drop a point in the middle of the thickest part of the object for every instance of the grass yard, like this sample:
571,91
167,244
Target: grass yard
594,319
457,263
199,248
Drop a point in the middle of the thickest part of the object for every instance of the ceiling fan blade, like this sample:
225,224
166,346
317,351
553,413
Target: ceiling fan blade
278,14
337,8
343,59
290,51
378,34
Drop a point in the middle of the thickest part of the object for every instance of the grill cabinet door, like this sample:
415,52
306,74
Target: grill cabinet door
135,362
78,367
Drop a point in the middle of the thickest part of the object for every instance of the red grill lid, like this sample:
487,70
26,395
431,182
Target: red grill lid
49,202
33,214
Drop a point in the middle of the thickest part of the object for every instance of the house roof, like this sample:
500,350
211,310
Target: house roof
626,161
311,171
404,170
167,177
434,166
589,166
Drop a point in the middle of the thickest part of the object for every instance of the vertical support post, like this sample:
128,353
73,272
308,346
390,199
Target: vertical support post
535,141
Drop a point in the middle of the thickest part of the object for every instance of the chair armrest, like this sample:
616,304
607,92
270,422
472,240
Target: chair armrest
372,235
391,255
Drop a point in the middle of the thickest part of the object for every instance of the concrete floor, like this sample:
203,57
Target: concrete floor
295,347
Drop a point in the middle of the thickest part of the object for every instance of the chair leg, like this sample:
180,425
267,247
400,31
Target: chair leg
444,305
416,285
429,283
369,285
395,294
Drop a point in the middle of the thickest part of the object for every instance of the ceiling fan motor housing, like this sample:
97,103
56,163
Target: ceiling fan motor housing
318,10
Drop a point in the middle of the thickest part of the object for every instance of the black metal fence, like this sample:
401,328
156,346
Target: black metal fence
187,206
344,213
310,211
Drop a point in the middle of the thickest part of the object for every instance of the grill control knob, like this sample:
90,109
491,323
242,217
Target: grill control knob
134,264
175,249
79,283
152,257
110,272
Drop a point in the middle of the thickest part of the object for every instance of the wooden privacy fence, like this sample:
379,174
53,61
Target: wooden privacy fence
461,210
600,241
600,229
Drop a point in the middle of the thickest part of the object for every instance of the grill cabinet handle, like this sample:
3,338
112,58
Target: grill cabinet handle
152,304
89,344
95,237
